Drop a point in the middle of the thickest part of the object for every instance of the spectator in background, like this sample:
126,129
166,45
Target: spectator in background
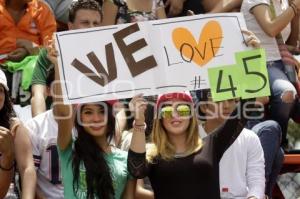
82,14
60,9
267,19
24,25
121,11
14,145
269,137
43,135
269,133
175,8
245,156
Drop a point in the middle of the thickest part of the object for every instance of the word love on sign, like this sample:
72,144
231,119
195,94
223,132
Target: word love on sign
203,50
152,57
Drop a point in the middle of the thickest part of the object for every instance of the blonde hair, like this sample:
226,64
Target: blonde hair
161,145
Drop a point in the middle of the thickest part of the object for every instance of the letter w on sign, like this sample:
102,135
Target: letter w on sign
102,78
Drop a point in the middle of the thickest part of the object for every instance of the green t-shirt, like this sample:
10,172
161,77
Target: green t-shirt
42,68
41,71
117,162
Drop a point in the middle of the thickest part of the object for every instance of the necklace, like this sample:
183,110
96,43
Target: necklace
180,155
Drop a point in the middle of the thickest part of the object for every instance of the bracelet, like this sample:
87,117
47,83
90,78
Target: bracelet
139,127
10,168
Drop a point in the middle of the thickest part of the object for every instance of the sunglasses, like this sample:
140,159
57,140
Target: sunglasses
182,110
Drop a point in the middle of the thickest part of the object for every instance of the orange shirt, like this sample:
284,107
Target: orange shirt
37,24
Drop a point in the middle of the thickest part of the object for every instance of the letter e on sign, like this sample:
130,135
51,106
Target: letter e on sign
127,51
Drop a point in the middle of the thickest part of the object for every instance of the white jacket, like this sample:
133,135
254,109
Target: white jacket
242,167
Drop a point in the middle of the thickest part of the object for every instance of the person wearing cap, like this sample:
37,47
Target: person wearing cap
14,145
179,163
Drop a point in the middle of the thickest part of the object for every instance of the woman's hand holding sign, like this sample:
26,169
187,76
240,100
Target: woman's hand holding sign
138,107
251,39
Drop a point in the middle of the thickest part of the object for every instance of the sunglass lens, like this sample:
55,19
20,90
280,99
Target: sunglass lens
167,111
183,110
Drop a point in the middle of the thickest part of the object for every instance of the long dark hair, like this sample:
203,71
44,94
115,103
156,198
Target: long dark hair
7,112
98,175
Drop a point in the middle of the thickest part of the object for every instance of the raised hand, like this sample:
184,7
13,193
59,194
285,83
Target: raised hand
138,106
251,39
17,55
6,142
52,52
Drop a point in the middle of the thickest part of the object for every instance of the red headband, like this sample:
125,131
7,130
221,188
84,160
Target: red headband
171,96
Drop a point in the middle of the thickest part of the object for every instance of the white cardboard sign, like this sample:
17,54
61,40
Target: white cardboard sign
154,57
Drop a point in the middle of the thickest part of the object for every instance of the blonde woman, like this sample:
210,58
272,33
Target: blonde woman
179,164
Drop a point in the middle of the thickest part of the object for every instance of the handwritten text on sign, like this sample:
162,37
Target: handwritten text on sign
248,78
149,57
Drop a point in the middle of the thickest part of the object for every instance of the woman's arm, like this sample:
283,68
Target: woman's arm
25,163
226,6
138,142
270,26
160,9
141,192
110,11
63,113
294,36
137,152
6,160
129,189
5,176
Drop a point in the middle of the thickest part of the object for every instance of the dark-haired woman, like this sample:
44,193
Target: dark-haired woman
14,145
91,167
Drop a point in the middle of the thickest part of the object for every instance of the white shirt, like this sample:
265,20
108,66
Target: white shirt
267,42
43,134
242,166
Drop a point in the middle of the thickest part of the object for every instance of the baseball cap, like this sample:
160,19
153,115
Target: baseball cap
184,96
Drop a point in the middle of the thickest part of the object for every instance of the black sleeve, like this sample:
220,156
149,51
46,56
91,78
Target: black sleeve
137,164
228,132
